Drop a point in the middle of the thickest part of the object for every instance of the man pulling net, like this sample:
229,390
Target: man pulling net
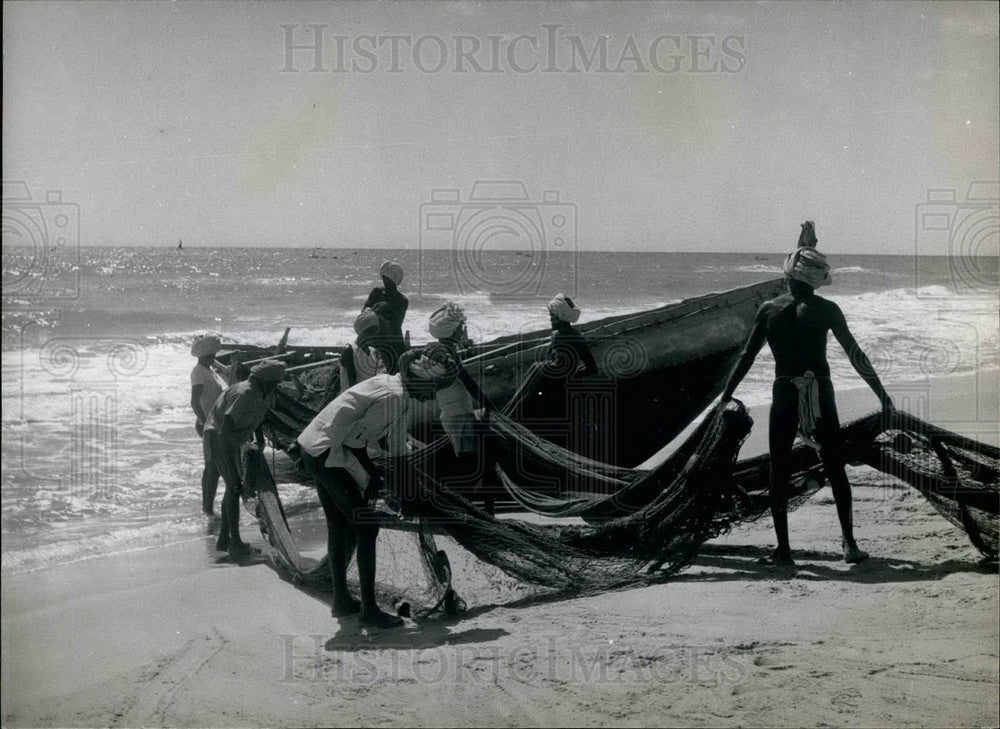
795,326
334,452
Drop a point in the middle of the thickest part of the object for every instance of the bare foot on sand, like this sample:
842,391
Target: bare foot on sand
778,558
853,555
212,523
242,552
380,620
343,608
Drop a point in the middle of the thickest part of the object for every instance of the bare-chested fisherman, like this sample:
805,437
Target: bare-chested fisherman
795,326
206,386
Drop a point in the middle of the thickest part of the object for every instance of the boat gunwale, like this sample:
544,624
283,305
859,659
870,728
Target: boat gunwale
607,327
598,329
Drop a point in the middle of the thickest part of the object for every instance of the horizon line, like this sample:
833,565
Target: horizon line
513,250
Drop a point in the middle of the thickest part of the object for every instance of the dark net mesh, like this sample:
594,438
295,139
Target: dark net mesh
439,545
585,525
957,475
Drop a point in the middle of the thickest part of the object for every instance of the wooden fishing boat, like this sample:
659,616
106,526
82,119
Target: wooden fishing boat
658,369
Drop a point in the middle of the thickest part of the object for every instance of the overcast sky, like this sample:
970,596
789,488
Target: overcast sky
190,120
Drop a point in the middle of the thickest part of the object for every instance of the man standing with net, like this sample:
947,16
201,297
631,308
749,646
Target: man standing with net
472,459
795,326
334,451
237,416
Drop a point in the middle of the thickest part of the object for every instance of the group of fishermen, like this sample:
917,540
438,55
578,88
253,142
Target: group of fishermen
381,380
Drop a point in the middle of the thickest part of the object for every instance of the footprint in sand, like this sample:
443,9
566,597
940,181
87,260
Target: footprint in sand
846,700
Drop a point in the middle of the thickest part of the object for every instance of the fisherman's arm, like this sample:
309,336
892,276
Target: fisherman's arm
758,335
200,414
859,360
196,401
586,356
348,372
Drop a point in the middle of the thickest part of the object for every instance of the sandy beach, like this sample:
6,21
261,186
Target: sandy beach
306,181
172,637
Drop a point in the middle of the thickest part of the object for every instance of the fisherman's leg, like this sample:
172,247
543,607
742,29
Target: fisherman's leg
209,487
345,497
781,434
229,537
367,529
209,482
355,508
491,482
213,448
337,528
226,457
832,454
235,546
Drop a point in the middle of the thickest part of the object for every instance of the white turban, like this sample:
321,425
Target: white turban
366,320
809,266
446,320
392,271
562,308
204,346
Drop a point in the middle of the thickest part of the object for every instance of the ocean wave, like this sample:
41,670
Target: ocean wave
758,268
117,541
747,268
95,323
923,292
155,457
776,269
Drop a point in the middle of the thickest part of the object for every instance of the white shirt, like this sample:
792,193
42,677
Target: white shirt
367,363
362,415
211,387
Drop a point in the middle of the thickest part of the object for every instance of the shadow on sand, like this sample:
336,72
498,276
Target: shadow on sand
412,636
741,564
730,563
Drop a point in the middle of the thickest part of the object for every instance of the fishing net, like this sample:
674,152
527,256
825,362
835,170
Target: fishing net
585,525
437,546
957,475
651,543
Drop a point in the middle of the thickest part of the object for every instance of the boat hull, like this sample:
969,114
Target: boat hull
658,370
